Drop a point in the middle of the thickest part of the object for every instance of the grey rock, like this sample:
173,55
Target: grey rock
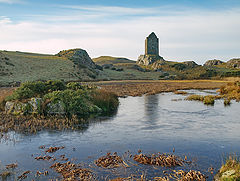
214,62
148,59
16,108
234,63
78,56
191,64
35,104
55,108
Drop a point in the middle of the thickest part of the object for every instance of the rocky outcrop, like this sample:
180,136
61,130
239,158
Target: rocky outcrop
149,59
56,108
234,63
78,56
19,108
190,64
214,62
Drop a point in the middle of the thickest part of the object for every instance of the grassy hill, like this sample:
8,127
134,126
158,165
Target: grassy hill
111,60
22,66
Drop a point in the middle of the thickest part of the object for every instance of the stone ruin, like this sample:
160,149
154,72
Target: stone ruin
151,51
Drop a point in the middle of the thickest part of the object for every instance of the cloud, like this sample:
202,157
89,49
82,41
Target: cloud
11,1
195,35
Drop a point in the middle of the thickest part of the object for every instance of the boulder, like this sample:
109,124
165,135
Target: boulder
149,59
234,63
57,107
78,56
16,108
214,62
19,108
35,104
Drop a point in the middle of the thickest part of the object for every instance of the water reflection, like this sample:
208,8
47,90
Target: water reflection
151,110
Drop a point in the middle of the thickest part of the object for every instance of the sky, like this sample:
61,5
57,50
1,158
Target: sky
197,30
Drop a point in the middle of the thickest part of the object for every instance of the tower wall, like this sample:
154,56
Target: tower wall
152,45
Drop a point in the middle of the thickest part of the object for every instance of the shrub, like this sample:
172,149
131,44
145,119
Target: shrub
75,102
35,89
53,85
77,86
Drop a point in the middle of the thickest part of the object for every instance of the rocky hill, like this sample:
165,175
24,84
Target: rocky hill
78,56
67,65
234,63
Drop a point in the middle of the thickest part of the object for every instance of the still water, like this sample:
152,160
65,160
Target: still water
155,123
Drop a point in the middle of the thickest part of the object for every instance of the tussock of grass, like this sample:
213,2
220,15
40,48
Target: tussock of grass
231,91
209,100
195,98
180,92
232,165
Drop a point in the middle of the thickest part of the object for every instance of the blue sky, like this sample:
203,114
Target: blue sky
188,29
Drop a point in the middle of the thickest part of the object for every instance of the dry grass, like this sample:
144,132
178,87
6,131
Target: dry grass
162,160
232,165
72,172
138,88
30,124
231,91
110,161
4,92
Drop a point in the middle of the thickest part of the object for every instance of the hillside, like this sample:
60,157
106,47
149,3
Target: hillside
111,60
22,66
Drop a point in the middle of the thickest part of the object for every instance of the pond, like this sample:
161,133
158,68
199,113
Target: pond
154,123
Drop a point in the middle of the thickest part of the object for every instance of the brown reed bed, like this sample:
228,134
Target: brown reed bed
72,172
163,160
191,175
138,88
54,149
110,161
31,124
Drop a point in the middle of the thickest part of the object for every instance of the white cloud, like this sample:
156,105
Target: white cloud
10,1
191,36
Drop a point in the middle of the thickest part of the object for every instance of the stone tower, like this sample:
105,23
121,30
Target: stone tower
151,51
152,45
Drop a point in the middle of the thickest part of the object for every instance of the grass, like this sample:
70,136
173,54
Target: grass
230,171
141,87
32,67
111,60
231,91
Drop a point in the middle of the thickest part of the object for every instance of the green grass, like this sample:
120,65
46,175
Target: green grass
31,67
111,60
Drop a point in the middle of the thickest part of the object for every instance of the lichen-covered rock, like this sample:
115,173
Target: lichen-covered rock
234,63
190,64
16,108
214,62
35,104
148,59
78,56
57,107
